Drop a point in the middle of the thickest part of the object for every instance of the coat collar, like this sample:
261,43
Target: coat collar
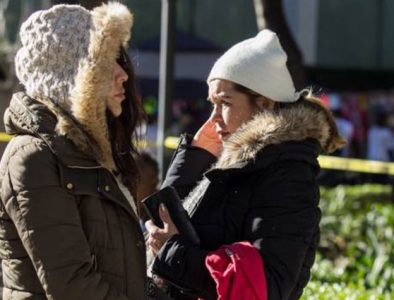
297,122
29,116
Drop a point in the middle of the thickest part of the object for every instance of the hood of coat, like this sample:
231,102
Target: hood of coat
297,122
83,120
26,115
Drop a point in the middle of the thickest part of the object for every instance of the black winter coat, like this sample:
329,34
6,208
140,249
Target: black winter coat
263,189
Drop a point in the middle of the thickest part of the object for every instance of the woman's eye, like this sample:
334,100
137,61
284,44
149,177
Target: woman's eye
226,103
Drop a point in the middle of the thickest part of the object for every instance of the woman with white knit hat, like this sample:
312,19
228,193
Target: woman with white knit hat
69,226
248,180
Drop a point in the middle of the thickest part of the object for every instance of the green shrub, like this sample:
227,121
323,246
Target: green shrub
339,291
356,253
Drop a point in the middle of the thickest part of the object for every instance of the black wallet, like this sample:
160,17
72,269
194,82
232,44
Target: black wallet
169,197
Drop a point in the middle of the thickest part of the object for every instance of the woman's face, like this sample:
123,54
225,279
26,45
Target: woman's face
231,108
118,92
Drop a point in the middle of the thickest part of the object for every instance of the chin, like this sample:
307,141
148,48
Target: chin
116,112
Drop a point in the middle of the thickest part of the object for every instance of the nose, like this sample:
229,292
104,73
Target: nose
120,74
216,114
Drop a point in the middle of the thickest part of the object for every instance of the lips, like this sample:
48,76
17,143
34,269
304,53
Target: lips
120,95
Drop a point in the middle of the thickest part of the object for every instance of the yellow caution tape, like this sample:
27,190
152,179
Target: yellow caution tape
330,162
142,144
326,162
356,165
5,137
171,142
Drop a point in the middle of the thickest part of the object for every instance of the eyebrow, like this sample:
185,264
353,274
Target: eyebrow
223,95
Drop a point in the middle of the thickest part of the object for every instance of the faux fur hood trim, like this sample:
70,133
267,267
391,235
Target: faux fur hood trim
297,122
111,27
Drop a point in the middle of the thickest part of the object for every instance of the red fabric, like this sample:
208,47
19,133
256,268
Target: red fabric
238,271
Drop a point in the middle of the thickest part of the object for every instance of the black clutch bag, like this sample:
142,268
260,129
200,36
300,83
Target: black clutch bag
169,197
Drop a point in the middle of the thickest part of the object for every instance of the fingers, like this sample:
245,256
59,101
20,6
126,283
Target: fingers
208,129
153,230
150,226
154,244
165,216
209,123
157,236
169,226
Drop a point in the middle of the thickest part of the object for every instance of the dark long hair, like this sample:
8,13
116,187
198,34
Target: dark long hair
122,129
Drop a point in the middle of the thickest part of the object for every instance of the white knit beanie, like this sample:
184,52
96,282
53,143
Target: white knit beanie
259,64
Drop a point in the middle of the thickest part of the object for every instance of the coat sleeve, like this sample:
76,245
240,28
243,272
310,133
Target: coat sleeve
183,265
187,166
48,223
283,224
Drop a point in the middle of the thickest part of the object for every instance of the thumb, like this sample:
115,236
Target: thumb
165,216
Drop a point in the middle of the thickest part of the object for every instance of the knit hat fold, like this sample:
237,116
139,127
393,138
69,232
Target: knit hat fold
259,64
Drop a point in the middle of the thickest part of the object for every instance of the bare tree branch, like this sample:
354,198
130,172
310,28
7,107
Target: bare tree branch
275,20
259,10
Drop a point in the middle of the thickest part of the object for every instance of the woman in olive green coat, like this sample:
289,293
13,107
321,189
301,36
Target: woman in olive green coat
68,220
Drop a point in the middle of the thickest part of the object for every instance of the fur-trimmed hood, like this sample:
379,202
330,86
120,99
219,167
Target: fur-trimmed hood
296,122
83,118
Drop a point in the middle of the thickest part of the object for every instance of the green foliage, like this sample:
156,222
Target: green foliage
356,255
328,291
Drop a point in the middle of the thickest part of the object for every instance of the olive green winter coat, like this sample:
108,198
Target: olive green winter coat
66,229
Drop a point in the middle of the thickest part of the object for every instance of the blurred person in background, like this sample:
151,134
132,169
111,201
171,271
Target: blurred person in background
148,182
380,142
69,223
380,138
390,123
248,180
345,127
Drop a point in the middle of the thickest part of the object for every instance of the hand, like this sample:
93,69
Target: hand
208,139
158,236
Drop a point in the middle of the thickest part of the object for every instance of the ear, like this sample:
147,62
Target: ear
264,103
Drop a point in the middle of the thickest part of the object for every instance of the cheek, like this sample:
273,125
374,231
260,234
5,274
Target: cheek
236,118
232,119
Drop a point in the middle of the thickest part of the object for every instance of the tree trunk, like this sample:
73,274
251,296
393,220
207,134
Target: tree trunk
275,20
89,4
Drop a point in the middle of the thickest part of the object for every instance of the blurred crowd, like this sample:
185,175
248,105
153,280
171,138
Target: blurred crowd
364,119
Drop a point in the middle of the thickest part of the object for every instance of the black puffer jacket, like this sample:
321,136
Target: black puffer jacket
262,189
